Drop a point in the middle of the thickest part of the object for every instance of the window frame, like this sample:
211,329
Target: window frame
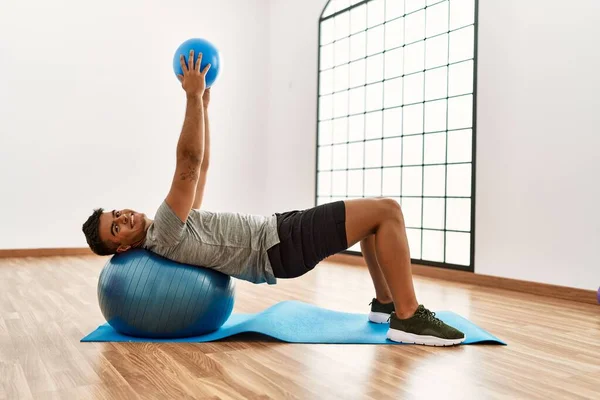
420,261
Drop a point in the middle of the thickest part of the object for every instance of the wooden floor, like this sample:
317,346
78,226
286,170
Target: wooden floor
48,304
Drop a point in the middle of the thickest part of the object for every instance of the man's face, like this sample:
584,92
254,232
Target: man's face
124,228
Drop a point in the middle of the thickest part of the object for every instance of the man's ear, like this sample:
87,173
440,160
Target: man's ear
123,248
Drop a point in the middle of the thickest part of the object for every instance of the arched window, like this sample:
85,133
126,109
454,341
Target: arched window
396,116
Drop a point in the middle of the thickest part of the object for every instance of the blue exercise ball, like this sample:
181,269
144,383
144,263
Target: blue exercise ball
145,295
210,55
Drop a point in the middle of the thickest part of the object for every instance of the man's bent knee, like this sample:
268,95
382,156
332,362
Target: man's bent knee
392,209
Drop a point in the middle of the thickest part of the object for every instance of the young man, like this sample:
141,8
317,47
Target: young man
284,245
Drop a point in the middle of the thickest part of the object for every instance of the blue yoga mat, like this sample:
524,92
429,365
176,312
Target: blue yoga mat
298,322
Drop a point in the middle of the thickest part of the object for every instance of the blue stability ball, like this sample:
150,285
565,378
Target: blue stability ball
210,55
145,295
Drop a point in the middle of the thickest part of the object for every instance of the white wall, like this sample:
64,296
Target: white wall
292,133
538,169
90,110
537,164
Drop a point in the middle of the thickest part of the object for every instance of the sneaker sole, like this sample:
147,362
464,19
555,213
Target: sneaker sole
378,317
405,337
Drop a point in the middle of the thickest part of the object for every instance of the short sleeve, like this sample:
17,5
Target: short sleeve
168,228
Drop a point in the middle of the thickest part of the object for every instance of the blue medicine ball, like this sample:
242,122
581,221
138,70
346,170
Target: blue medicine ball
145,295
210,55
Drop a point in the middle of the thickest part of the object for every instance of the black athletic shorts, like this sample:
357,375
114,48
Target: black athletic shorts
307,237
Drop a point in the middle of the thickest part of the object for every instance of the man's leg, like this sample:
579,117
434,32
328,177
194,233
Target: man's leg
410,322
383,219
382,305
382,292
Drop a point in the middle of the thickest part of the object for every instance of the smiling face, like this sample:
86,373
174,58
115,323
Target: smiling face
123,228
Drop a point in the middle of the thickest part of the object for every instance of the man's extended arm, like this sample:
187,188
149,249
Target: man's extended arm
190,148
206,159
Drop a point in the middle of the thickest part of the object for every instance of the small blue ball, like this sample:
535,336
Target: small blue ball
210,55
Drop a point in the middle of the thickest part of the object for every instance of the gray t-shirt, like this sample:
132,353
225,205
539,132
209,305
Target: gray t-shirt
232,243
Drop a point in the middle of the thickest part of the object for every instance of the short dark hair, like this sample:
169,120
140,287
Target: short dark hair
91,230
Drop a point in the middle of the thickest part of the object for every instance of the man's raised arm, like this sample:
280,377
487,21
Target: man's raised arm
190,148
206,158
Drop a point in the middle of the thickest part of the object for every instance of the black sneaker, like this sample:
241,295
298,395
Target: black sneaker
380,312
423,328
